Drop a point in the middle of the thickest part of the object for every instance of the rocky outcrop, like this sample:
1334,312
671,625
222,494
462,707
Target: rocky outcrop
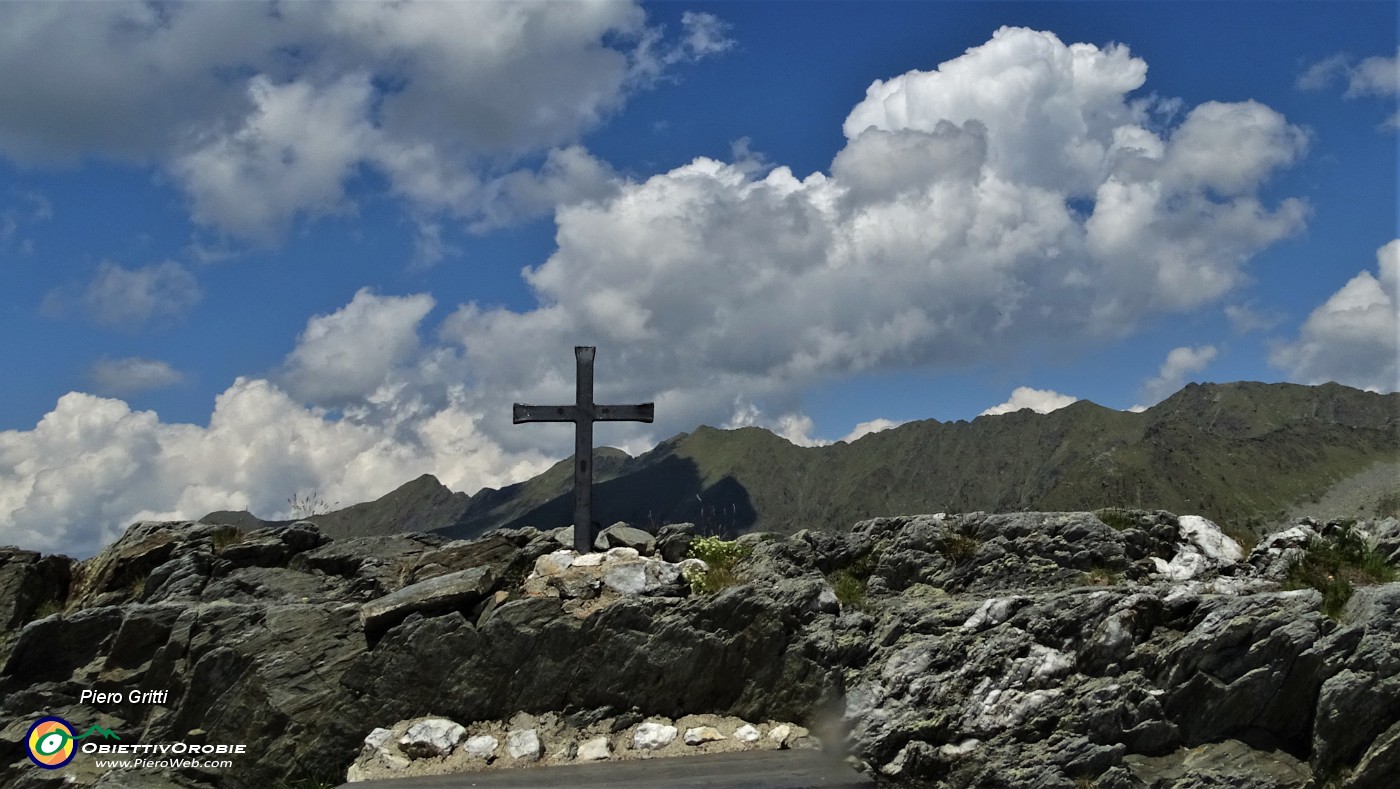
1024,649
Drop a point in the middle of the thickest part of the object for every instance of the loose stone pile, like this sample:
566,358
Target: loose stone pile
438,746
591,581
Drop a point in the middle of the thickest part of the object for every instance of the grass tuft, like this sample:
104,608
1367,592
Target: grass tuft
48,608
850,590
226,536
1335,565
137,588
309,505
961,547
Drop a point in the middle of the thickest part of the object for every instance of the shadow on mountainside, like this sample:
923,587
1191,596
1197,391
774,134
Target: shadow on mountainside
669,491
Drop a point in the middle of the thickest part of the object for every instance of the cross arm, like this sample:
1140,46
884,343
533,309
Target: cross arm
643,412
545,413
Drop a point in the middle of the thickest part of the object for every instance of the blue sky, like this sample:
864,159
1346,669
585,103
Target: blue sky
251,251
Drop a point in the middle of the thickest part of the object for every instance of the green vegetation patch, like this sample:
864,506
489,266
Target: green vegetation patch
1335,565
850,589
850,583
1101,576
1117,519
722,558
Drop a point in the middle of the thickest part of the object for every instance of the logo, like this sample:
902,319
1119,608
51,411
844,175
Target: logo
50,741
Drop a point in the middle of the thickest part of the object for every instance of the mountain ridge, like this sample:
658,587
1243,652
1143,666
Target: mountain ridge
1242,452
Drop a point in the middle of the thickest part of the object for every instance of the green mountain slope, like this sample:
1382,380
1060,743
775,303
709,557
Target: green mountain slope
1233,452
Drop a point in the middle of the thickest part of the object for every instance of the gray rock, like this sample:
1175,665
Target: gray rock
699,735
1228,763
594,750
27,581
524,744
433,737
458,590
1380,764
979,655
1360,697
620,535
650,736
482,746
1273,556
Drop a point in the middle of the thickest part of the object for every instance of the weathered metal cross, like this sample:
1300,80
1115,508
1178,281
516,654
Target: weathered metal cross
583,413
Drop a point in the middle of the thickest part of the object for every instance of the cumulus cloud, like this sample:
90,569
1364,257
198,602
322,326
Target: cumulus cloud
863,429
1013,199
345,356
1353,338
795,427
947,231
92,466
1181,363
124,298
291,155
1041,401
132,375
263,112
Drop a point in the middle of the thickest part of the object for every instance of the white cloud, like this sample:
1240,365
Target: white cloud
1353,338
132,375
347,355
866,428
1323,73
568,176
124,298
1181,363
1041,401
92,466
263,112
292,154
1373,76
795,427
1245,318
944,234
1013,200
705,34
702,35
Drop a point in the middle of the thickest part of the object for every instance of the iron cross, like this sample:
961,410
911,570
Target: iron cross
583,413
